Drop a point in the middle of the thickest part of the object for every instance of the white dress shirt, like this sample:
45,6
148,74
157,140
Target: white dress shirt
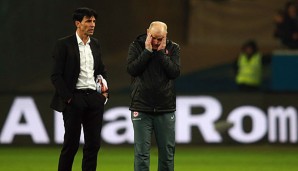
86,77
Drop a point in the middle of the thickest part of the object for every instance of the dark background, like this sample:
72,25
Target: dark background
210,33
30,28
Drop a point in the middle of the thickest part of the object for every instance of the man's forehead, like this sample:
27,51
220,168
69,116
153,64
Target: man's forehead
157,34
89,18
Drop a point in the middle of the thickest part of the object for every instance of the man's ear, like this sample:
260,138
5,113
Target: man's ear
77,23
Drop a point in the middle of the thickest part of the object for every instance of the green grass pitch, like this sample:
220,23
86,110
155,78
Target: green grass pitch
193,158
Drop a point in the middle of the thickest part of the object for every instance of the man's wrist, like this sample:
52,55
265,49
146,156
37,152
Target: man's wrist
150,50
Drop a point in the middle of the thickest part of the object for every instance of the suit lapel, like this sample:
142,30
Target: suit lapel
76,48
94,53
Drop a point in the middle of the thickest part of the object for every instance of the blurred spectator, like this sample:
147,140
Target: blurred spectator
286,25
248,67
278,21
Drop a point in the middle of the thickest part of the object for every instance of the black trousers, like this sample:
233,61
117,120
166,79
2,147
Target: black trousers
85,110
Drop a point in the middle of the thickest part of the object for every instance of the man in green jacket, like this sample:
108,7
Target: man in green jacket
154,64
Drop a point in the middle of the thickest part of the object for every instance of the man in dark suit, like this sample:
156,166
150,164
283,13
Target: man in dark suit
77,63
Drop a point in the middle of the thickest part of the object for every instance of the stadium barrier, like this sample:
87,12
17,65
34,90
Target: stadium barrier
221,118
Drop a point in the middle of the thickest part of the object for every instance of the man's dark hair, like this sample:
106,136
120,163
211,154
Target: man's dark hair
80,13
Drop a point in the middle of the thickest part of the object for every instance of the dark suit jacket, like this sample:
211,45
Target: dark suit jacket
66,68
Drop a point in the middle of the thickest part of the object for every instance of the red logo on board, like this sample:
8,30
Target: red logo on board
135,114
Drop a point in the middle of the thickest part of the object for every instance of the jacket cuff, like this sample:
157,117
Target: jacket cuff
160,52
148,51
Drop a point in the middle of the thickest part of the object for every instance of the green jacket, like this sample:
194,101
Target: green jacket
153,75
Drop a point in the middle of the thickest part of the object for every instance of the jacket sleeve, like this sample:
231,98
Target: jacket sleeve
171,61
100,68
137,61
59,60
